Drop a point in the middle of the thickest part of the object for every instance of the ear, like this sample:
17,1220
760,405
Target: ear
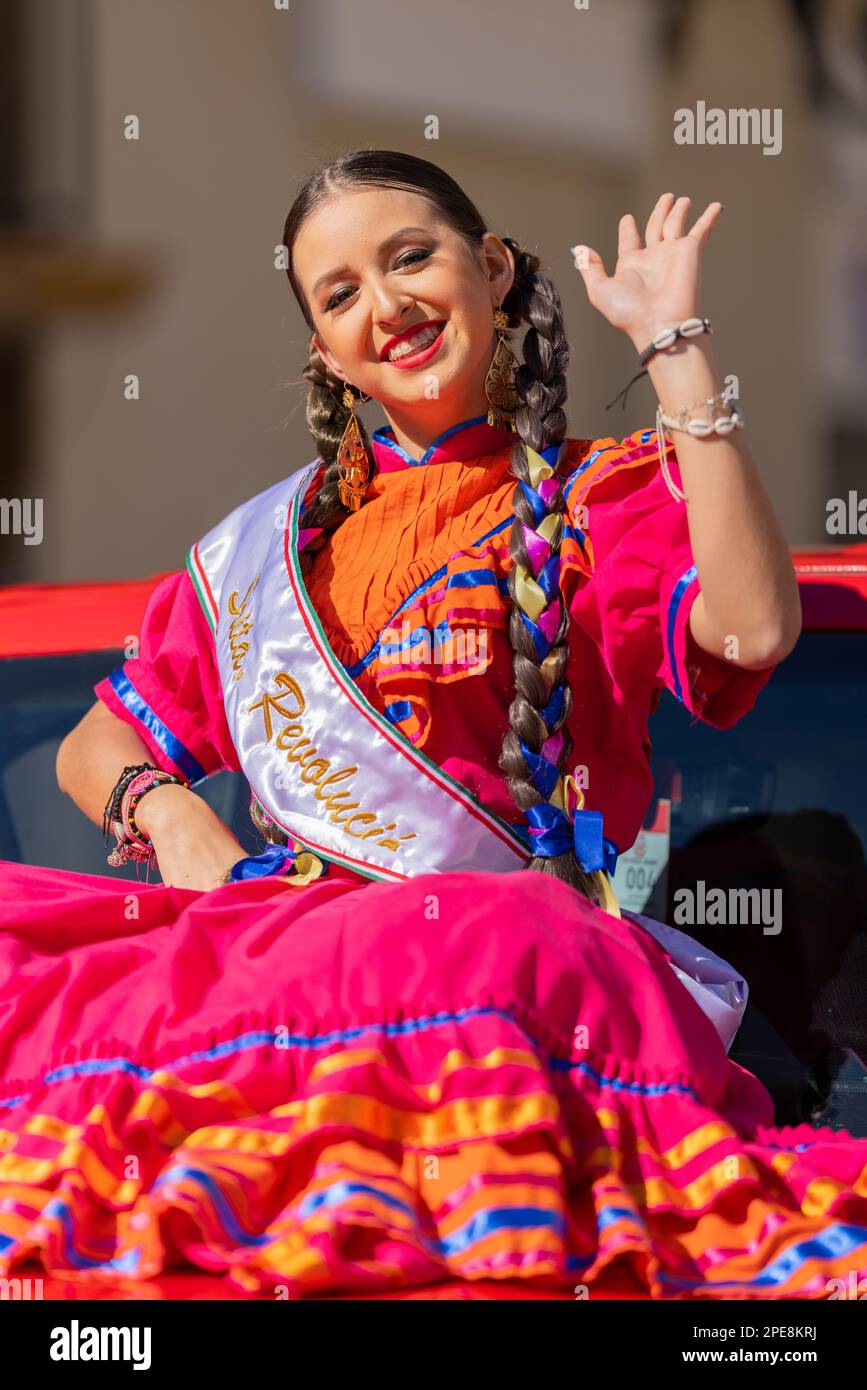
327,356
500,264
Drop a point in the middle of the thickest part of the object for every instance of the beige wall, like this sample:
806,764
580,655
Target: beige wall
232,114
128,485
763,274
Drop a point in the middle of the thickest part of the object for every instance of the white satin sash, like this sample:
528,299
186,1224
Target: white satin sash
325,765
718,988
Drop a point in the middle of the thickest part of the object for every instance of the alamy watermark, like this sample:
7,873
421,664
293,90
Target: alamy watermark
77,1343
22,516
846,516
733,907
20,1289
738,125
402,645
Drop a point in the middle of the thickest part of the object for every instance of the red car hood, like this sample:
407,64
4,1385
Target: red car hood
54,619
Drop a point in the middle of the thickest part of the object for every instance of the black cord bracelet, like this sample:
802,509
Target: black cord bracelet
666,338
112,806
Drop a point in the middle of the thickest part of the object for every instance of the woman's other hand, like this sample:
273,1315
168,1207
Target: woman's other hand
193,847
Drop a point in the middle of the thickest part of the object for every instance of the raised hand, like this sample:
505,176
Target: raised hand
655,284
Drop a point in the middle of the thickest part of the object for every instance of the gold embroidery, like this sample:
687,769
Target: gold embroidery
239,628
289,703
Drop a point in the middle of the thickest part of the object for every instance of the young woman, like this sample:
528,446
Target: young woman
467,1069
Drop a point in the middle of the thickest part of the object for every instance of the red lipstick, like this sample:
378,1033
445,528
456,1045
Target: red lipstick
414,359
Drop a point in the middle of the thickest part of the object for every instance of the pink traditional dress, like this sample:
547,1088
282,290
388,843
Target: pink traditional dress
466,1071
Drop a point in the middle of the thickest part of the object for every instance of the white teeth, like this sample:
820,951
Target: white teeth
419,340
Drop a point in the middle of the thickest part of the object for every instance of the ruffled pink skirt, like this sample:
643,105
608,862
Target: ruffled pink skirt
334,1088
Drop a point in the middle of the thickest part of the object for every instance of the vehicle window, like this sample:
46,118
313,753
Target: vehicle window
779,804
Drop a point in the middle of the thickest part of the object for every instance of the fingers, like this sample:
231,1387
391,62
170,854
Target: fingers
674,224
591,265
629,237
668,220
706,223
653,230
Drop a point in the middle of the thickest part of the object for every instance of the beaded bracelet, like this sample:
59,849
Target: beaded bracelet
112,806
119,814
667,337
698,428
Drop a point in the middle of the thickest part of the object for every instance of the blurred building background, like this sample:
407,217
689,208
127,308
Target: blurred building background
154,257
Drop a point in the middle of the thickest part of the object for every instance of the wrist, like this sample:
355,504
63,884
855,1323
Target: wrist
684,372
162,803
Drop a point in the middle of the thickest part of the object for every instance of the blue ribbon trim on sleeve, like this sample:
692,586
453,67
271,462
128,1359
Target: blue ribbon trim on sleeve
161,734
677,594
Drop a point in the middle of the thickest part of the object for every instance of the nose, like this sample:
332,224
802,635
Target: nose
388,305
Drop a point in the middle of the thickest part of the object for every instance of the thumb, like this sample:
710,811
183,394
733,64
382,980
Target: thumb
591,266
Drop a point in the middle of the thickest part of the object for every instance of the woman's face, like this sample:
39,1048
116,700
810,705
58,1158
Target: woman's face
374,263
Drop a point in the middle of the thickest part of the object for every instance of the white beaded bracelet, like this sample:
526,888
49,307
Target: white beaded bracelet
667,337
698,428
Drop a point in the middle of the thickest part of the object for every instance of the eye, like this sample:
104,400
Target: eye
407,259
418,255
336,300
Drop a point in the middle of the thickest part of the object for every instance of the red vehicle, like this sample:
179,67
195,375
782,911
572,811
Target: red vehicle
779,802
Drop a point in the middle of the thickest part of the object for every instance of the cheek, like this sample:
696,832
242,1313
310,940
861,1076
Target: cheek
344,339
477,323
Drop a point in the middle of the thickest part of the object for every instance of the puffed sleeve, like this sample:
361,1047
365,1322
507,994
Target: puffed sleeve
643,582
171,692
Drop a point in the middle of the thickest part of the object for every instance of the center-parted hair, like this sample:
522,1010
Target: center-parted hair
543,700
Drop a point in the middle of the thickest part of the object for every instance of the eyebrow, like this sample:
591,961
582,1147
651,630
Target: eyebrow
389,241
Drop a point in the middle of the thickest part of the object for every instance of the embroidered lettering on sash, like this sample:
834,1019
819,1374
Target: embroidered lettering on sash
241,624
289,703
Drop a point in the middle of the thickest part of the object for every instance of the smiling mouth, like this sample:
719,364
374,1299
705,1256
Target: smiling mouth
415,345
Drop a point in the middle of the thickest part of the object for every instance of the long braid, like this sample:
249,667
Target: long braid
327,417
538,746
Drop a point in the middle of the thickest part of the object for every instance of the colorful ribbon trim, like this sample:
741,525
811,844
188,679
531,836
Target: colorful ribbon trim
279,859
276,859
554,833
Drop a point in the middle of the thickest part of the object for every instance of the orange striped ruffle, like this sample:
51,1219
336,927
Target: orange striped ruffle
443,1147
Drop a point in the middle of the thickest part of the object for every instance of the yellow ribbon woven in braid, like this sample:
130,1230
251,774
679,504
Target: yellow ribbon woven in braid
532,600
608,896
306,868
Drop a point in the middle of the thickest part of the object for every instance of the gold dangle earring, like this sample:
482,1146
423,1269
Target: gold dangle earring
353,460
500,380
